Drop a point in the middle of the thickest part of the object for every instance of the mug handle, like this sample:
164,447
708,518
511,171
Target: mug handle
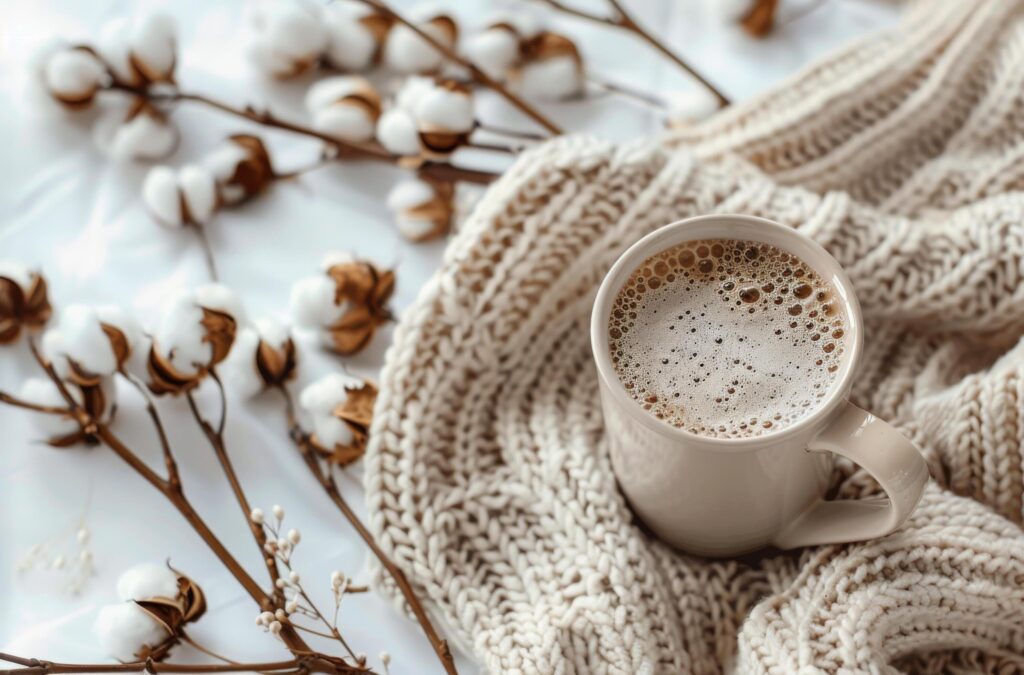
889,457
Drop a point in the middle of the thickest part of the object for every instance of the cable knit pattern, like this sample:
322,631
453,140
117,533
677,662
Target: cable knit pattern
488,478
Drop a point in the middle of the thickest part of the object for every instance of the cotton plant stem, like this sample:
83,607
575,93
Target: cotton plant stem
204,243
216,439
628,92
621,19
29,665
478,75
174,493
27,405
344,150
330,486
173,477
510,133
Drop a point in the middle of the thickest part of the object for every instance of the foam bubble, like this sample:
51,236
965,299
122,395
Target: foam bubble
727,338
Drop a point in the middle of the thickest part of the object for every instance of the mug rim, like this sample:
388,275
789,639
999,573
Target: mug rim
677,232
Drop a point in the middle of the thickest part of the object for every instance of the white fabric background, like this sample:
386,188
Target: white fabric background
68,209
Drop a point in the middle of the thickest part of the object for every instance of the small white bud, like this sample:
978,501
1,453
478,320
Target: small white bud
270,547
385,658
280,583
278,512
265,618
294,536
281,615
292,605
256,516
275,627
58,562
336,579
294,577
283,544
82,535
85,556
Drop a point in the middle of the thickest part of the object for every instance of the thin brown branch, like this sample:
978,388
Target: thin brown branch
216,439
621,19
330,486
173,477
27,405
511,133
344,151
478,75
310,663
628,92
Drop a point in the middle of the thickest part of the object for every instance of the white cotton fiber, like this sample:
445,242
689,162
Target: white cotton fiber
330,431
180,336
239,368
406,52
85,343
728,11
345,122
555,78
397,132
273,332
410,193
220,298
125,628
152,42
332,258
330,90
72,73
350,44
691,105
320,398
493,51
199,190
147,580
142,137
312,302
449,110
415,228
160,195
288,35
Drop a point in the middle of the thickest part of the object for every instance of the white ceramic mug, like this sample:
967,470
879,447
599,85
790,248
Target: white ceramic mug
723,496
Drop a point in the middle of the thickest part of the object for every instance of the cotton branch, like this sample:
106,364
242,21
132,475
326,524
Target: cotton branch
324,476
302,664
621,19
478,75
343,150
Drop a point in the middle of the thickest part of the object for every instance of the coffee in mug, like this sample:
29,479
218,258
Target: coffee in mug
727,338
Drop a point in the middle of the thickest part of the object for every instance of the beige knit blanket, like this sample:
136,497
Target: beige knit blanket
488,476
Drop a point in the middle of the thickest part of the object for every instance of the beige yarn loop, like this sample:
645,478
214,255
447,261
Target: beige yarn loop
488,478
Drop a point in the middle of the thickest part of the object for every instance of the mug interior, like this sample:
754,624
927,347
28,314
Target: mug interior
742,227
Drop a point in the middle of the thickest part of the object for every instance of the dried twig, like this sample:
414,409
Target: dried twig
344,150
621,19
478,75
326,479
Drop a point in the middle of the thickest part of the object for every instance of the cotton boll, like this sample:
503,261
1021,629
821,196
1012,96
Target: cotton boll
42,391
290,37
493,51
423,210
180,336
354,35
407,52
692,105
331,431
397,132
345,107
241,167
320,399
125,629
153,43
143,134
556,78
312,302
412,90
446,108
73,76
185,197
220,298
84,341
147,580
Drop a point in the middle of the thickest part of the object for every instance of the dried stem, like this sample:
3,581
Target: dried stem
18,403
629,92
173,477
511,133
439,170
40,666
204,243
478,75
216,439
621,19
330,486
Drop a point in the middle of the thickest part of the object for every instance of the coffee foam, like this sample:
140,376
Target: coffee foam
727,338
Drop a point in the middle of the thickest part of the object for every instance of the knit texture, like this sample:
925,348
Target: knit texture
488,476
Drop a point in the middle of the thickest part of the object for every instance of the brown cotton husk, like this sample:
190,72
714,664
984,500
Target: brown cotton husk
254,173
164,378
367,291
549,45
379,26
276,363
760,20
118,345
22,309
448,26
86,98
220,333
357,414
173,613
